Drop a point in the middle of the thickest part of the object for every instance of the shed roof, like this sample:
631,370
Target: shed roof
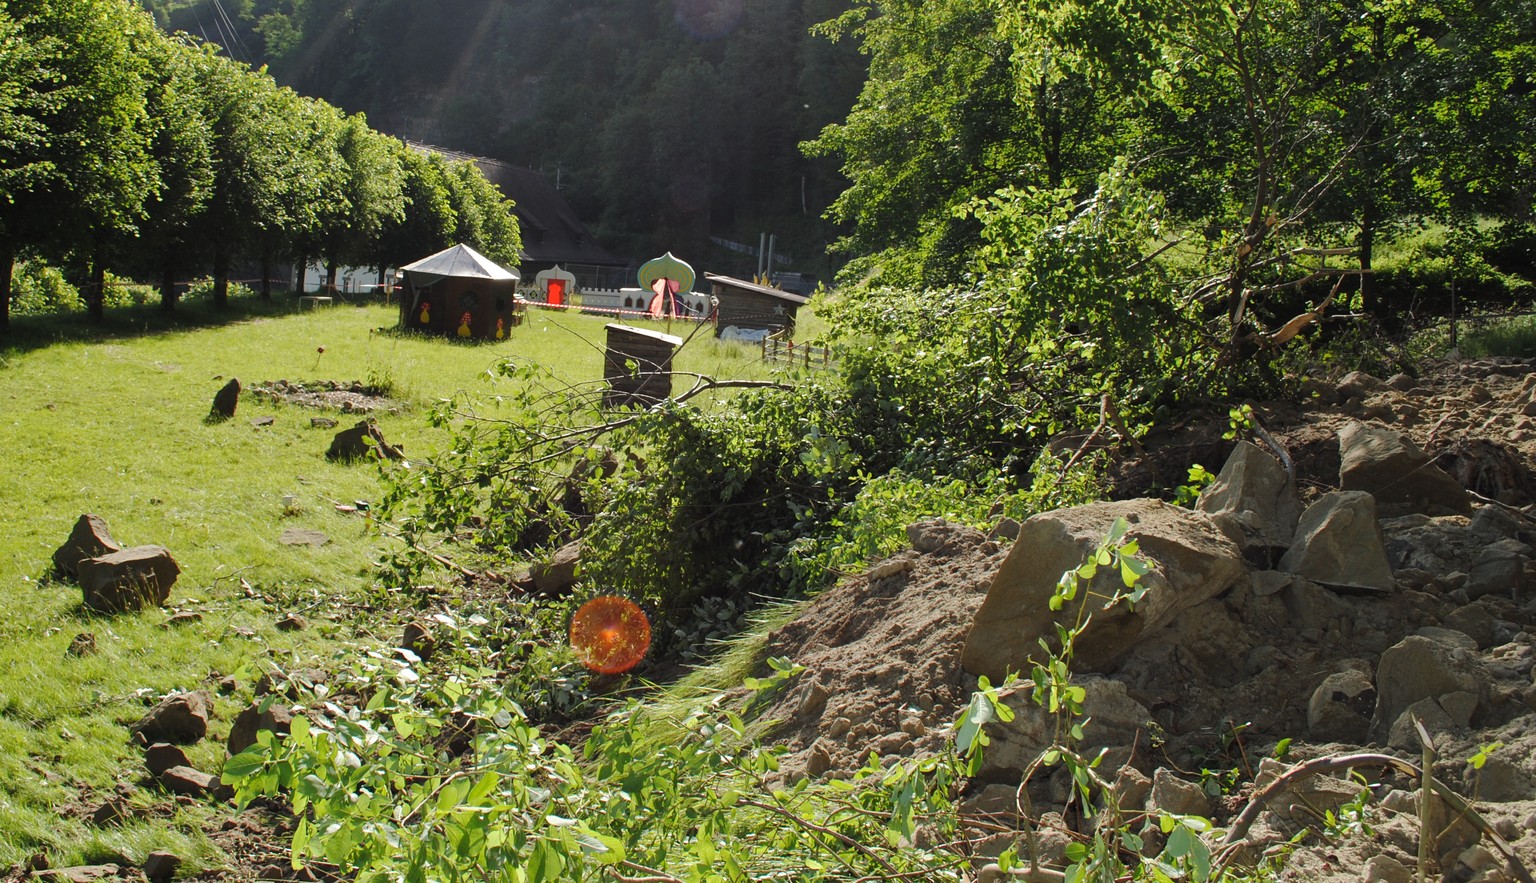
742,284
646,333
458,262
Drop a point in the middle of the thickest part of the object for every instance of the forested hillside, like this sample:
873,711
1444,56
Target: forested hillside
663,122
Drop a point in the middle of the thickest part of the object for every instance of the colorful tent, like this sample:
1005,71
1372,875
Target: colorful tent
459,292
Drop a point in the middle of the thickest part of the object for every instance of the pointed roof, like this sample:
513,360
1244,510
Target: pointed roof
459,262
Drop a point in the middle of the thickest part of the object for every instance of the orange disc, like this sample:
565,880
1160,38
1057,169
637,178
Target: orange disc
610,634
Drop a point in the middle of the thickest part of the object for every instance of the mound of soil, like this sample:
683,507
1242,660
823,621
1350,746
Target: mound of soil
1233,678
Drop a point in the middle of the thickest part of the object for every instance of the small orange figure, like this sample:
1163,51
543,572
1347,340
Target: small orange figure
501,328
426,315
464,325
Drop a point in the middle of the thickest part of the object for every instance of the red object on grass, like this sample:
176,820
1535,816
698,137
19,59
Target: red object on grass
610,634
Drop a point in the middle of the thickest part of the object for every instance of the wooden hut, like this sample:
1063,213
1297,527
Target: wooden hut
459,292
748,306
638,366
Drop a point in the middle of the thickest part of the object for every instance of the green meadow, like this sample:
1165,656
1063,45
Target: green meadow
112,421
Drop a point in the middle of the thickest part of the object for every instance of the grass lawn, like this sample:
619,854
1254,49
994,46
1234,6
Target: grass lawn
111,421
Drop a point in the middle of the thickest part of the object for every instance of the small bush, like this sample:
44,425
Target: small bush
120,292
37,288
202,290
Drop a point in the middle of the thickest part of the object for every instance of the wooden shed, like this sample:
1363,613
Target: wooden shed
459,292
749,306
638,366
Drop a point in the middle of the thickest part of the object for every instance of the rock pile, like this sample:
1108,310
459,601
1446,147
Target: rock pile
1340,620
114,579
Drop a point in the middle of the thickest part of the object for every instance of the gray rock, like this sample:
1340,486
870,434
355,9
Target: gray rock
88,539
180,719
557,576
1386,869
1392,468
1339,543
1499,569
1119,722
1340,708
1172,794
225,401
1448,637
1358,384
1404,736
252,719
128,580
1501,780
1193,563
1256,490
1474,621
935,536
1418,668
1492,523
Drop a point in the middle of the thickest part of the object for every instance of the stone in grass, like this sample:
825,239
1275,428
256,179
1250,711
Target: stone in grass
225,401
253,719
128,580
89,539
298,536
162,756
160,865
293,622
189,782
363,440
180,719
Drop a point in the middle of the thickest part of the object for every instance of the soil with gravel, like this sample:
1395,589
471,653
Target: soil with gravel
353,397
882,650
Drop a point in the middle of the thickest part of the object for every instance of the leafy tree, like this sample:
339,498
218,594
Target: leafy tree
947,115
93,174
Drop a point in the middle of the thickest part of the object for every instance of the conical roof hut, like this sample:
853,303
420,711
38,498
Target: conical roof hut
459,292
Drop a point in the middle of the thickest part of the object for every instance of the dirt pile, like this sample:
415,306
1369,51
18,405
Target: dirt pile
1206,700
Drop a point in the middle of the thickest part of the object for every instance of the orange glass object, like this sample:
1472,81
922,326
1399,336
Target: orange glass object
610,634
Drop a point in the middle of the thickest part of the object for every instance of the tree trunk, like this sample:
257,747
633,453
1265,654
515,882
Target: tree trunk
7,265
266,270
96,288
168,286
1367,244
302,268
220,279
330,278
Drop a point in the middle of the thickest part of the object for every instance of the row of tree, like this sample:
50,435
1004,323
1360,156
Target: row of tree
664,122
126,150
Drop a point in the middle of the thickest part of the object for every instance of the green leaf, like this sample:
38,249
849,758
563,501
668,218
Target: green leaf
240,766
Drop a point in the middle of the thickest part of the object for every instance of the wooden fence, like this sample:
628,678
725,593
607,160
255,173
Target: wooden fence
790,353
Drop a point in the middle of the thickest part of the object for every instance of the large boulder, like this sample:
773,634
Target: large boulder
1339,543
89,539
1192,561
1254,490
1419,668
1402,478
363,440
557,576
1118,723
128,580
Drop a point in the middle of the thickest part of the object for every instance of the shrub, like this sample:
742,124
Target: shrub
37,287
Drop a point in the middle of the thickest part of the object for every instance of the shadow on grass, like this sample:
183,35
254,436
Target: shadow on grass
29,333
